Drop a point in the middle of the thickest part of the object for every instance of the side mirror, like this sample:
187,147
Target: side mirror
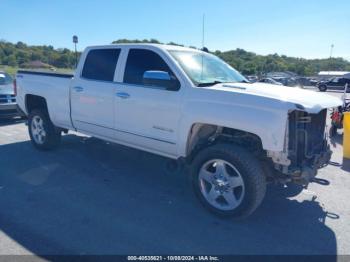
161,79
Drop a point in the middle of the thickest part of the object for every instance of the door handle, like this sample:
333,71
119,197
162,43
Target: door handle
78,89
122,95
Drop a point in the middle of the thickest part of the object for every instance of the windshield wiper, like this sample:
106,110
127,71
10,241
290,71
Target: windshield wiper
209,84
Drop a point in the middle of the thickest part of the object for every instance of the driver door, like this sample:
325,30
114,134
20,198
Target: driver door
147,116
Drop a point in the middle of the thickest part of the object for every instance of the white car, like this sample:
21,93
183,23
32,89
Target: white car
187,105
8,105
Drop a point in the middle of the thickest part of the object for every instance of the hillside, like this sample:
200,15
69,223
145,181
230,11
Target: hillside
20,55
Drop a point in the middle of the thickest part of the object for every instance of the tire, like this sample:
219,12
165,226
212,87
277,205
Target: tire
322,88
40,125
246,181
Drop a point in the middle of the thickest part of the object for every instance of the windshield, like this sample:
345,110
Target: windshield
5,79
205,69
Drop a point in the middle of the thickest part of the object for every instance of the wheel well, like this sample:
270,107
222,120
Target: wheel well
35,102
202,135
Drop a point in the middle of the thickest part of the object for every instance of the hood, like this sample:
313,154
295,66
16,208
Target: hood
322,82
310,101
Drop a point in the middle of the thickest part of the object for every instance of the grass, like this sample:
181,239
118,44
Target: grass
12,70
9,69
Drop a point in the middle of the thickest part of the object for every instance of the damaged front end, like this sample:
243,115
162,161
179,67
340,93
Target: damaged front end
306,148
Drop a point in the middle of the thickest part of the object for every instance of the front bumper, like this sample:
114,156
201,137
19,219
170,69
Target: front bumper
308,172
9,110
308,148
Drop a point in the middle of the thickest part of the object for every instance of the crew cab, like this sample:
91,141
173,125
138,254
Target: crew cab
189,106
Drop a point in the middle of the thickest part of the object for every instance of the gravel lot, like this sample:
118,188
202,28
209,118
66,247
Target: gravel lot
92,197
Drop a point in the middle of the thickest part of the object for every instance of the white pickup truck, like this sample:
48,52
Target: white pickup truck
187,105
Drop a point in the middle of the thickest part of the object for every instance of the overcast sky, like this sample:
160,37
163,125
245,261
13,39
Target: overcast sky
294,28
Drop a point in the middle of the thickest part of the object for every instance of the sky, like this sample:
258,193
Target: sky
295,28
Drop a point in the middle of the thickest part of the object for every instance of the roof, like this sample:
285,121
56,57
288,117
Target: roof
160,46
333,73
347,76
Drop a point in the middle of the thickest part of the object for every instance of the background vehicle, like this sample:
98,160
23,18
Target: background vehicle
337,115
270,81
337,83
313,82
190,106
252,79
287,81
8,105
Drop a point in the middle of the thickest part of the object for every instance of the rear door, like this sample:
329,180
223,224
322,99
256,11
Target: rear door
336,83
92,94
147,116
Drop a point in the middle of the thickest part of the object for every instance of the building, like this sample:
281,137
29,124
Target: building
328,74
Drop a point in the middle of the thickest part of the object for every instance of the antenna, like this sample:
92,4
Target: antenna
203,31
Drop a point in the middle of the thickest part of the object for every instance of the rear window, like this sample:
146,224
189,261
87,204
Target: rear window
5,79
100,64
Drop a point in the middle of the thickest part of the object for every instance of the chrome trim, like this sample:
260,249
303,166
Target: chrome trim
122,95
159,75
78,89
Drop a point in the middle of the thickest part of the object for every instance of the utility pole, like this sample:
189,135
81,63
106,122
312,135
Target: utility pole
75,41
330,57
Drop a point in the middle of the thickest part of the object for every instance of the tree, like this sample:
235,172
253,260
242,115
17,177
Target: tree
244,61
11,60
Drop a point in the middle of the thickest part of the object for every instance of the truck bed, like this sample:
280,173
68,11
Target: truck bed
41,73
53,87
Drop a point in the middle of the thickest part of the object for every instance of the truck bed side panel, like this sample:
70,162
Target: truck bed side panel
53,87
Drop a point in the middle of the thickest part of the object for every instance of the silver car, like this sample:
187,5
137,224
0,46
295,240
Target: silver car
8,105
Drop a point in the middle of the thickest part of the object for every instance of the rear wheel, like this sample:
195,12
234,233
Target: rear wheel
43,133
322,88
228,180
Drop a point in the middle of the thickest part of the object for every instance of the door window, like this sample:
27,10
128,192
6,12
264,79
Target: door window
100,64
139,61
335,80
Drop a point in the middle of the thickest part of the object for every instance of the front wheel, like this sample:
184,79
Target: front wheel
322,88
42,132
228,180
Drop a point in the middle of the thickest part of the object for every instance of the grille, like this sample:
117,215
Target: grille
306,136
5,99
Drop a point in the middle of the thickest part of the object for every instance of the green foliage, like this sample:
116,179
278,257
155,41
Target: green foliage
136,41
250,63
20,54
